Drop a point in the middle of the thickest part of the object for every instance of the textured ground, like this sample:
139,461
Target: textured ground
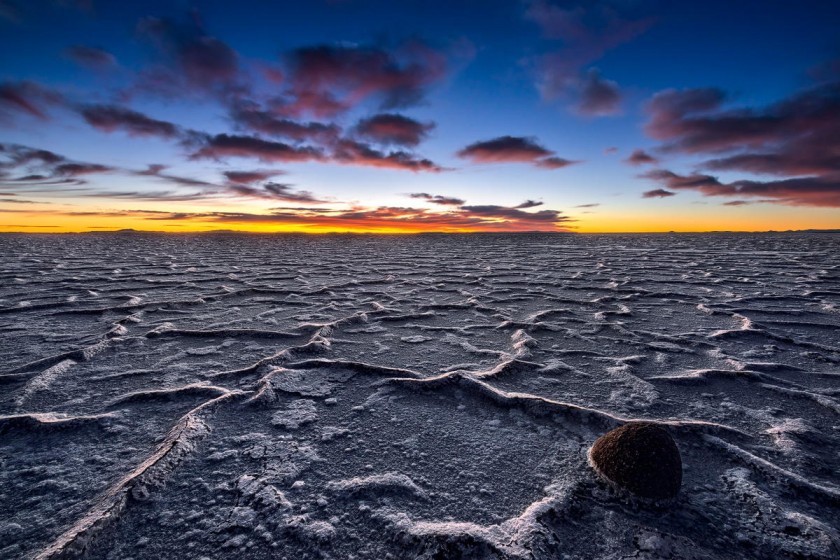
423,396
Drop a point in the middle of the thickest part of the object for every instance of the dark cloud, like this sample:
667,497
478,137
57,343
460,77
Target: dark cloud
75,169
438,199
26,97
504,212
657,193
554,162
389,128
16,155
21,201
351,152
109,118
796,191
157,170
191,59
45,171
590,205
794,139
34,170
253,176
706,184
587,30
795,136
325,80
275,191
157,196
529,204
231,145
513,149
9,11
91,57
640,157
268,122
598,97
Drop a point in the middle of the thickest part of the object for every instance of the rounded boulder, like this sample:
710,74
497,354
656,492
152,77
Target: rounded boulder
640,457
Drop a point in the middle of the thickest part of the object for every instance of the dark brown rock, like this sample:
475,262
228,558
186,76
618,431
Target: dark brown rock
641,458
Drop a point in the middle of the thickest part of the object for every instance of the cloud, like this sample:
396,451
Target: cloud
231,145
529,204
587,31
9,11
109,118
821,191
16,154
504,212
26,97
275,191
267,122
20,201
706,184
657,193
590,205
794,140
325,80
794,136
472,218
44,171
191,59
598,97
640,157
554,163
162,196
449,216
389,128
156,170
33,170
91,57
513,149
351,152
438,199
75,169
253,176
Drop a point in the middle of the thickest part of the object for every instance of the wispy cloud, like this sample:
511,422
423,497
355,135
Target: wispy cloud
587,31
91,57
189,60
110,118
352,152
438,199
28,98
232,145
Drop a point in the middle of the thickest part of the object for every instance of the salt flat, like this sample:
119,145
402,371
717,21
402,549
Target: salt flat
425,396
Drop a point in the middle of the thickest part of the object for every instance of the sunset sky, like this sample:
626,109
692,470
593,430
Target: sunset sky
403,116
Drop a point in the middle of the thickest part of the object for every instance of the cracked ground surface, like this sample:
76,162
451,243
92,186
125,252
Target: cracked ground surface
428,396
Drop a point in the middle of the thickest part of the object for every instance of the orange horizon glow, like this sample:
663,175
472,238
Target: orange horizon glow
608,222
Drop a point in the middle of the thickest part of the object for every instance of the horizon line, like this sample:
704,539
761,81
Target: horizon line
512,232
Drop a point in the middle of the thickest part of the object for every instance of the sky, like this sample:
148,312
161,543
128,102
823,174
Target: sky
412,116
